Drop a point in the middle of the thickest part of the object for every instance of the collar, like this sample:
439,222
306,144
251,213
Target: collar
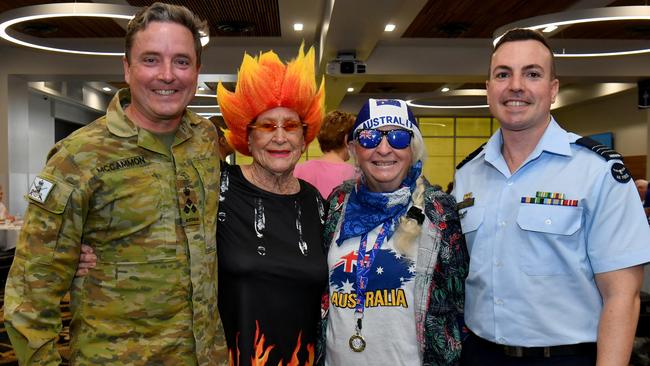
119,124
555,140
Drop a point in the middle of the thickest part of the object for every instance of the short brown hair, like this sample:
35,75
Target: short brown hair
335,127
525,34
159,12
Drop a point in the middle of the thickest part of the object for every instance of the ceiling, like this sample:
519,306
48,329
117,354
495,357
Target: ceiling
436,43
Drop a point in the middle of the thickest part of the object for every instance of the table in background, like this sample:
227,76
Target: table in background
9,235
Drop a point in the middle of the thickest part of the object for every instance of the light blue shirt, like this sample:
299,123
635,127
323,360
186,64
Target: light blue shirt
531,276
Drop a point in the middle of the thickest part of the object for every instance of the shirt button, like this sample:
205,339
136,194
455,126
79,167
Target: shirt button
548,221
509,183
498,302
502,223
498,263
501,340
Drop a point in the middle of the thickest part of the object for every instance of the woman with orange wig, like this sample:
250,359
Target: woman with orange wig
272,269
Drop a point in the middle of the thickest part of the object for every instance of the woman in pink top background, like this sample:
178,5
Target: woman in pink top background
330,170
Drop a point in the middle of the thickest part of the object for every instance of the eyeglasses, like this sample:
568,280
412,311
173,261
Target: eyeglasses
397,139
271,126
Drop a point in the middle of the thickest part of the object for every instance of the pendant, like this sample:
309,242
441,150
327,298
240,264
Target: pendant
357,343
304,249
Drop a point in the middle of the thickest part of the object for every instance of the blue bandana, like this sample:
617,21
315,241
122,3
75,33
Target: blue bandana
365,210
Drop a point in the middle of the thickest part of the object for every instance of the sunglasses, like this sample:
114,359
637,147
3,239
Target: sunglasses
271,126
397,139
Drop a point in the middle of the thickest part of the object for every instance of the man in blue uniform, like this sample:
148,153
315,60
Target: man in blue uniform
557,238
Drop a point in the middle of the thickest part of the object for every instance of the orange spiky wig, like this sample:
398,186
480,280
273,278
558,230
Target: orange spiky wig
265,83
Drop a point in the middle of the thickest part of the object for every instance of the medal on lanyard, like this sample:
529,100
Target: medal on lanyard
357,343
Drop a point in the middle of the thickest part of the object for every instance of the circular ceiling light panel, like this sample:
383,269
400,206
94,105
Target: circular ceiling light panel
581,16
453,99
62,10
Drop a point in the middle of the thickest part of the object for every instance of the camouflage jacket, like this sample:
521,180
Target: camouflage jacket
149,212
441,268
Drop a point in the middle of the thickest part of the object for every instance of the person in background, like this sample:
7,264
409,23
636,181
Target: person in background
556,247
331,169
397,259
224,147
140,185
4,214
644,194
272,268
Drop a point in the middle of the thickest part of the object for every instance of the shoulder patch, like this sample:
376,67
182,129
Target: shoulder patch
40,189
600,149
620,173
471,156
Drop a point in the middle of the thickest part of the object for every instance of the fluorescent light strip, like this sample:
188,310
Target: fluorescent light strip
206,95
579,17
61,10
203,106
416,105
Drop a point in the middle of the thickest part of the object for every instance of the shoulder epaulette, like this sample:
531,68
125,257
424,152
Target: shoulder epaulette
471,156
603,150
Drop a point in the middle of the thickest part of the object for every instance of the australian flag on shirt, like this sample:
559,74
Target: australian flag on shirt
386,279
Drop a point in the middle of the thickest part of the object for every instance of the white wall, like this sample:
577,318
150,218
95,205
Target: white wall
616,113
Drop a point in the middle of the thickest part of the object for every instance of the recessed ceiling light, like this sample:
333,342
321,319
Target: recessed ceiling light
444,90
201,88
549,29
389,28
106,89
298,27
350,90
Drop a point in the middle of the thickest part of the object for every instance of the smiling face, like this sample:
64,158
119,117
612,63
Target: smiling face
162,75
521,87
277,151
383,167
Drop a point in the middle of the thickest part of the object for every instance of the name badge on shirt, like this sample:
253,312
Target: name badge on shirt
468,201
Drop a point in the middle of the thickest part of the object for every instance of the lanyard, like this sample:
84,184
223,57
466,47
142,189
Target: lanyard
363,266
357,342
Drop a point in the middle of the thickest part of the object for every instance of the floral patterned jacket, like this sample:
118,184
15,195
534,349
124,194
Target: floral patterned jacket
441,268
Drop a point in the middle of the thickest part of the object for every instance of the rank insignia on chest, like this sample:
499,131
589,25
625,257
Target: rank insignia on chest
189,205
40,189
550,198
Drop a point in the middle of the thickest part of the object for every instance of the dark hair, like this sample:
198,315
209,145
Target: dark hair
220,124
524,34
336,125
159,12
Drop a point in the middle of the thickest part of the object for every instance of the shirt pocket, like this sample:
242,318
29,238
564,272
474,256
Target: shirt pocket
552,238
470,220
147,291
129,219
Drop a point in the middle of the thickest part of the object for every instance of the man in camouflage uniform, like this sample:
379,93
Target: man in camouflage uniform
140,185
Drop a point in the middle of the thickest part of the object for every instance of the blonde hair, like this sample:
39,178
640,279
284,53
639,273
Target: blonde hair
407,233
264,83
